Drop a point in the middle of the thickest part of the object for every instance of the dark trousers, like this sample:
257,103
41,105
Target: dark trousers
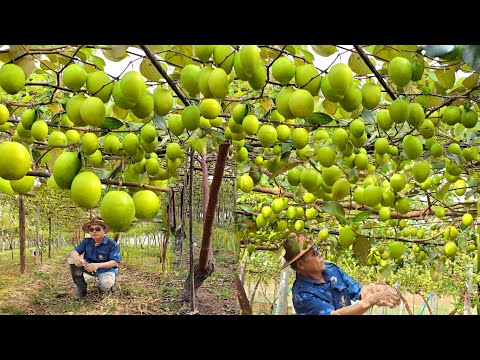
79,280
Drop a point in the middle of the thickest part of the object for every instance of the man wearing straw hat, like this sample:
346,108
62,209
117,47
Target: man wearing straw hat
101,256
322,288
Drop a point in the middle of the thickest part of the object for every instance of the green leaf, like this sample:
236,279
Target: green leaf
334,207
429,101
159,122
446,78
111,123
432,75
98,61
440,194
471,55
319,118
285,166
330,107
148,70
324,50
308,55
385,273
367,116
361,249
362,216
471,81
437,50
436,270
200,145
358,66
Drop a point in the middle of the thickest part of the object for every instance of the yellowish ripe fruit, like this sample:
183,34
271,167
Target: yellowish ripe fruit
346,237
396,249
352,98
450,248
308,78
299,138
245,183
400,71
174,151
162,101
203,52
191,118
250,124
467,219
28,118
73,110
100,85
92,111
86,190
39,130
74,76
283,70
412,147
118,210
65,168
4,114
14,160
189,79
57,139
132,85
340,78
144,106
218,83
73,137
23,185
267,135
12,78
282,102
399,111
460,187
371,95
89,143
147,204
301,104
210,108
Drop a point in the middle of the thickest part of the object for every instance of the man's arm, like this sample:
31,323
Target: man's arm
388,297
372,288
104,265
77,259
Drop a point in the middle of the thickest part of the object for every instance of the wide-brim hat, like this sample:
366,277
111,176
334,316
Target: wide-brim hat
105,226
295,246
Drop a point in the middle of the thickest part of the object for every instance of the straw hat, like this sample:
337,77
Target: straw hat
295,246
105,226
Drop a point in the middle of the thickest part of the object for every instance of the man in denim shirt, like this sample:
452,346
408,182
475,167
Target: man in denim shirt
322,288
101,256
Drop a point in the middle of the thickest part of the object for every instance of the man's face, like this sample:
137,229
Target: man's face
313,259
96,232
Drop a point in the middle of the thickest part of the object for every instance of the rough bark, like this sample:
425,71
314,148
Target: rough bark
254,291
242,298
49,237
205,265
205,186
38,253
21,231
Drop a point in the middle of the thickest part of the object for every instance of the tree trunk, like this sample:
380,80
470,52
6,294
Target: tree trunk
49,236
205,185
21,231
282,305
468,292
242,298
242,270
38,257
252,297
205,264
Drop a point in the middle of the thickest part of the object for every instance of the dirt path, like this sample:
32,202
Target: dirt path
48,290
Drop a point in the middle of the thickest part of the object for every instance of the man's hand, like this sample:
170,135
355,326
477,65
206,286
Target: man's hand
388,297
79,262
92,267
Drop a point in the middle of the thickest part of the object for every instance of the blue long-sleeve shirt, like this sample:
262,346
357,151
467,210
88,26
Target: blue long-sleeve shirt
106,251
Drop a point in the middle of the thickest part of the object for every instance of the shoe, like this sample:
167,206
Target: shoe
79,296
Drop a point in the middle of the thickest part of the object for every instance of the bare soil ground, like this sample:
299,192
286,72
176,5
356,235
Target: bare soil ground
47,289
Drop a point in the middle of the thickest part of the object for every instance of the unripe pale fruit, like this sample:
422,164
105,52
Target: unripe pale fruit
398,182
450,248
460,187
416,115
399,111
218,83
352,98
357,128
223,56
371,95
4,114
249,57
72,135
283,70
73,109
346,236
384,213
310,179
372,195
203,52
118,210
402,205
340,138
421,171
162,101
191,118
210,108
174,151
119,99
326,156
23,185
148,133
245,183
39,130
250,124
86,190
340,78
259,77
267,135
74,76
89,143
132,85
299,138
12,78
328,92
282,102
384,120
400,71
144,106
451,115
189,79
381,146
293,176
467,219
412,147
340,189
175,124
283,132
308,78
130,144
28,118
99,85
427,129
57,139
396,249
146,204
65,168
469,119
92,111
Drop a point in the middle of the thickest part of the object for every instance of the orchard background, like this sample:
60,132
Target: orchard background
370,150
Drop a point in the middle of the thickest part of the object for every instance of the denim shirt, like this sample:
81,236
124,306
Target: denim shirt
106,251
312,297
